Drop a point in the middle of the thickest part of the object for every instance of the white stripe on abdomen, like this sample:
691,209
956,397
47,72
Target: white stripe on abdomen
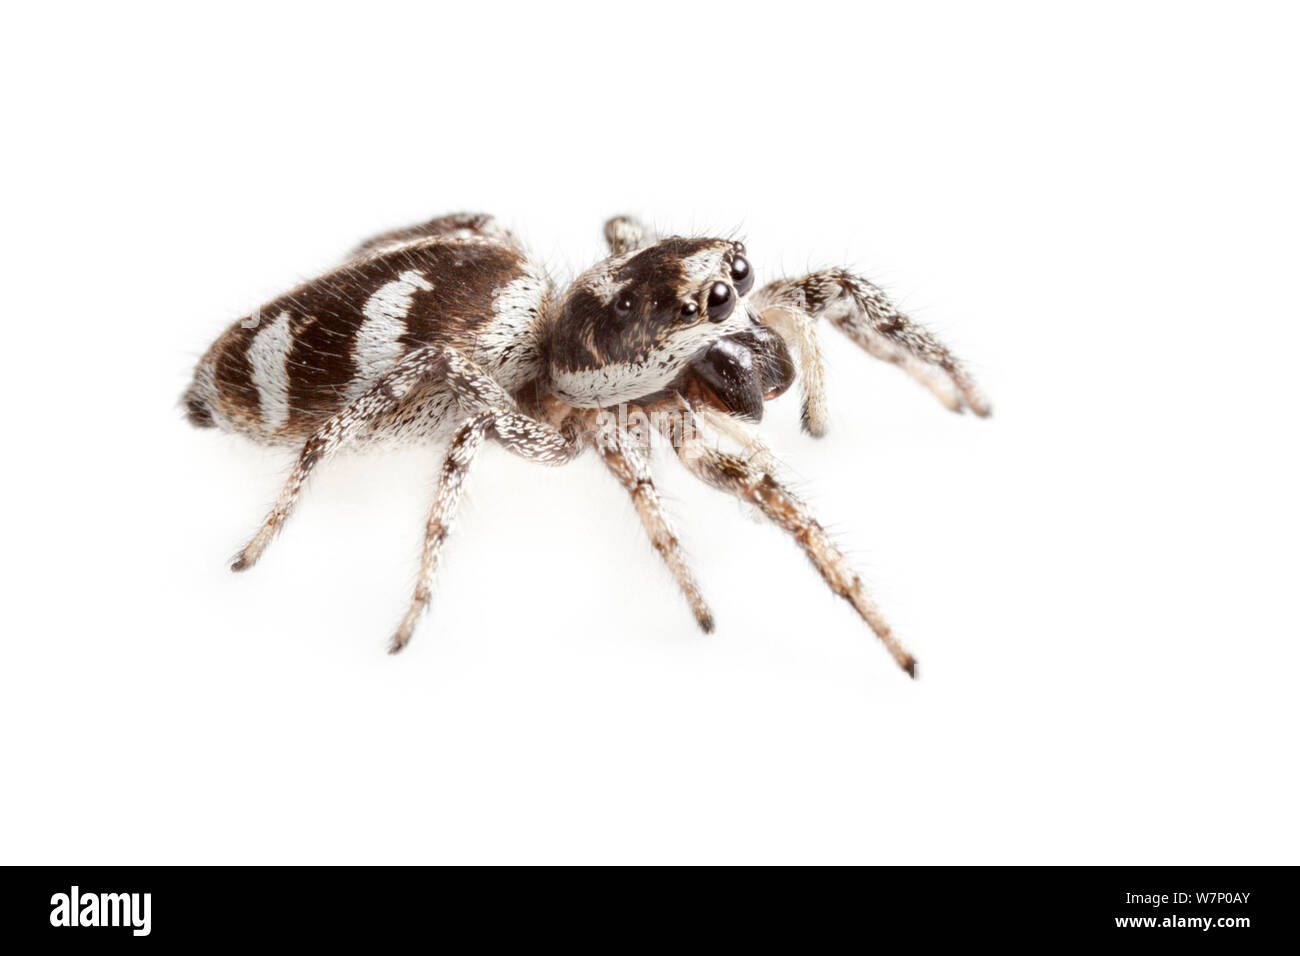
266,355
378,345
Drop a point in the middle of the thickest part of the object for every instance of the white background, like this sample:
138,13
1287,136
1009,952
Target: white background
1097,207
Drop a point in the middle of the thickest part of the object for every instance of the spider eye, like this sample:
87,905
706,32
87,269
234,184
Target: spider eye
742,274
720,301
624,304
689,311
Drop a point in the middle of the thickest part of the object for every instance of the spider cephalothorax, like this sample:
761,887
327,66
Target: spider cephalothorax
671,316
449,330
628,326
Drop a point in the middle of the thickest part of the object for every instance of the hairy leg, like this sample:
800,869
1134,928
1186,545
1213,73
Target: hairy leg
461,453
626,234
796,327
741,478
862,311
754,449
939,384
627,460
523,436
538,445
474,390
459,225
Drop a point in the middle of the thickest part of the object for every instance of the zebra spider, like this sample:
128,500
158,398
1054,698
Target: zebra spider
449,331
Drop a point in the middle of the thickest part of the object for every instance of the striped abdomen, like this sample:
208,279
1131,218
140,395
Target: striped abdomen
278,374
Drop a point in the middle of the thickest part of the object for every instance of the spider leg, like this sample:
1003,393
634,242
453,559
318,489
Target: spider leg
458,225
796,327
461,453
739,477
474,390
627,234
876,345
862,311
733,429
627,461
523,436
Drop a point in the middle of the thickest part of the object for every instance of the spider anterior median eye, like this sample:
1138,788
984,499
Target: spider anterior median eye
624,304
742,274
720,301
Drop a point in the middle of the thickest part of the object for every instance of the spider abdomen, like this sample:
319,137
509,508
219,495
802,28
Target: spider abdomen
278,374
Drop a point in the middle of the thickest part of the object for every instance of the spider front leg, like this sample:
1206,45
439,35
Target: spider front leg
796,327
862,311
627,459
756,485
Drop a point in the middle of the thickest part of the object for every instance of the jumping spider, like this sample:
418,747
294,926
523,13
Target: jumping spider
448,330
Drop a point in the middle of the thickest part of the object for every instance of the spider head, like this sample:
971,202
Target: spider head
672,316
